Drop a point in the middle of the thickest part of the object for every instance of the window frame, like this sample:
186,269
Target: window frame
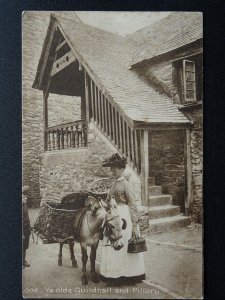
185,99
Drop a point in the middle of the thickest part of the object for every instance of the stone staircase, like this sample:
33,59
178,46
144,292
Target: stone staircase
163,215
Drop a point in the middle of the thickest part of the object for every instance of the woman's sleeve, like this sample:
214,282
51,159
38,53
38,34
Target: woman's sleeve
131,202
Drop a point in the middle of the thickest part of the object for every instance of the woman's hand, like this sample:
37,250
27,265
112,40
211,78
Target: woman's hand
135,233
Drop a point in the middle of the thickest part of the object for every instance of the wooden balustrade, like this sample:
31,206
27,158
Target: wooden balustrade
113,125
68,135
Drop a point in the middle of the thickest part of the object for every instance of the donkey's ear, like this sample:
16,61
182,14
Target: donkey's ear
94,209
91,200
103,204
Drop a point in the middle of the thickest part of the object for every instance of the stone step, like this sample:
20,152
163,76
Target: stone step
151,180
155,190
168,224
163,211
159,200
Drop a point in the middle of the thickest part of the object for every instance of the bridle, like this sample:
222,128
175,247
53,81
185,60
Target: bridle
106,228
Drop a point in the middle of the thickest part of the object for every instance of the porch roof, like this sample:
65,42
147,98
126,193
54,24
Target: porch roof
107,56
176,30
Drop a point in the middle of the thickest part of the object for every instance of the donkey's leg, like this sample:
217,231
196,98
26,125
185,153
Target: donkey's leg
94,274
74,262
84,261
60,254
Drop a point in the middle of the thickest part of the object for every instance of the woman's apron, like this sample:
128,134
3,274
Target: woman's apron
117,263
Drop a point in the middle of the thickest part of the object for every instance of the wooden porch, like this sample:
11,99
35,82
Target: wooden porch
68,74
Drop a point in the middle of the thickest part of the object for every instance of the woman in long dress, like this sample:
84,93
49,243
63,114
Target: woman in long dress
119,266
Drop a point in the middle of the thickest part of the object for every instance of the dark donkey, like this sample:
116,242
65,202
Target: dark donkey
99,216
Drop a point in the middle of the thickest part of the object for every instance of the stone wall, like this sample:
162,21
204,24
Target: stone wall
63,109
34,25
163,77
167,164
67,171
195,114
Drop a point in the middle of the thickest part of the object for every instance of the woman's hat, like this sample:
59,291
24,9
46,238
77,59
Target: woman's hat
115,161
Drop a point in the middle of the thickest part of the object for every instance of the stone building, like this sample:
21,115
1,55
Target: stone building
139,95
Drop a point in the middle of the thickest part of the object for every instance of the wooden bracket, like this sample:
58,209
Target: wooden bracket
62,63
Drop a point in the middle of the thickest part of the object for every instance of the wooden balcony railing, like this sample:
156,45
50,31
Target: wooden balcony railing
113,124
68,135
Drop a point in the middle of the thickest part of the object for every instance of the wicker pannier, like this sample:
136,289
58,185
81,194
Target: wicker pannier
55,220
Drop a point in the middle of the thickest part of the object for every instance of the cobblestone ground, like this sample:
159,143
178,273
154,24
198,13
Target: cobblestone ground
173,270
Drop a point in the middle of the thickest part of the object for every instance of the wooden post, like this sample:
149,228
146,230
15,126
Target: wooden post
87,97
124,138
113,124
106,116
110,123
188,173
99,109
120,130
103,113
132,144
67,138
116,128
144,167
53,140
96,105
45,118
49,141
137,163
62,138
92,100
128,142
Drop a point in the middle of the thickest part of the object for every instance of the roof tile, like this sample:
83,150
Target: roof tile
172,32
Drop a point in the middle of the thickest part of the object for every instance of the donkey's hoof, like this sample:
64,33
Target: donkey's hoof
95,277
84,280
59,263
74,264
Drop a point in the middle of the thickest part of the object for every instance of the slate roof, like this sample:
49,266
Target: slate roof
108,56
172,32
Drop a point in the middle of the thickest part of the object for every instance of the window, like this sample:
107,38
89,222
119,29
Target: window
189,81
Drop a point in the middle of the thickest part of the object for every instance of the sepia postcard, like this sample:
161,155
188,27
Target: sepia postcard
112,121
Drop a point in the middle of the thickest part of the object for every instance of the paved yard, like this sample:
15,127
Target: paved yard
173,270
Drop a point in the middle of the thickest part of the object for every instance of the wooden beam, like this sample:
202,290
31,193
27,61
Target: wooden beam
106,115
87,97
60,46
124,138
96,104
128,142
109,117
188,173
80,68
103,112
113,124
47,52
132,144
137,163
63,62
120,130
161,126
144,167
92,100
99,108
116,128
45,119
